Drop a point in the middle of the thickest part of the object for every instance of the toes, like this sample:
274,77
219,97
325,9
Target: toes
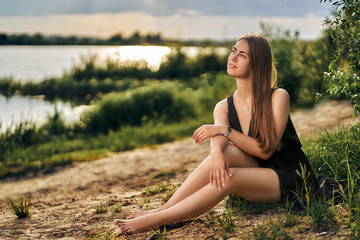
116,222
124,228
122,225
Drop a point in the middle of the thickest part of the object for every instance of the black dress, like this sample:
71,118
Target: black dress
285,161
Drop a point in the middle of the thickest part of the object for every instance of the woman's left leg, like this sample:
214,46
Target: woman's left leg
255,184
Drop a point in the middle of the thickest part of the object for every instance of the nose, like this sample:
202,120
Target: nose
233,57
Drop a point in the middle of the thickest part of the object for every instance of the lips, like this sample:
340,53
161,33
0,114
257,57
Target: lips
231,66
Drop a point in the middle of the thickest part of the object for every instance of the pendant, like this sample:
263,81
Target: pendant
248,109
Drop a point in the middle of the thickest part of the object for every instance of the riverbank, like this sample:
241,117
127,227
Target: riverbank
64,202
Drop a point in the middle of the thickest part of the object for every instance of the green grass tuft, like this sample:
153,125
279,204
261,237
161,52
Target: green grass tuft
19,206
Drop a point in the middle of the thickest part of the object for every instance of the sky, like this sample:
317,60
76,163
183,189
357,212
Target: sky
181,19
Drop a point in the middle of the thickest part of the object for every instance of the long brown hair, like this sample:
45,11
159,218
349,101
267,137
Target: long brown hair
263,77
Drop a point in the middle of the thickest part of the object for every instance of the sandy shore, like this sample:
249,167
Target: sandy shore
63,202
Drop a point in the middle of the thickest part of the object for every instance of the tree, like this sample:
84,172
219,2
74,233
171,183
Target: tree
345,30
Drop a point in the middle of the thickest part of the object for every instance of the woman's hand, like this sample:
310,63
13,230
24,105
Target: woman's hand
219,168
208,131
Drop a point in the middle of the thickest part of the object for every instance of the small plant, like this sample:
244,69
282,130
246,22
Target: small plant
170,191
290,219
223,222
100,207
154,190
106,235
246,207
226,222
210,220
165,174
159,233
117,208
19,206
271,231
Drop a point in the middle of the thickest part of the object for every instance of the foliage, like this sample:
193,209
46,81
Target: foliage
345,30
19,206
330,152
76,145
300,64
136,38
135,107
345,84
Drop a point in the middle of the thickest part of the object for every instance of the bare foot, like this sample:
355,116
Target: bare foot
127,226
140,213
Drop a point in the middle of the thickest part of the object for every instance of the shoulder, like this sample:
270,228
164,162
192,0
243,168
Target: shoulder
280,95
280,102
222,105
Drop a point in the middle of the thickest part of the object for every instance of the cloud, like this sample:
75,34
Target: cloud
185,24
244,8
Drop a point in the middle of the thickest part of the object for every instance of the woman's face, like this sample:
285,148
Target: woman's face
238,60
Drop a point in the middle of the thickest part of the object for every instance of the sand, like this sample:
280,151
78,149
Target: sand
63,202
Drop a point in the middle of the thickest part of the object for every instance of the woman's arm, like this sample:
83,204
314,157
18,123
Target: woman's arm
219,167
280,106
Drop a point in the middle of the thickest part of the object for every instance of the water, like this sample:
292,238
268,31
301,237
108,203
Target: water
18,108
35,63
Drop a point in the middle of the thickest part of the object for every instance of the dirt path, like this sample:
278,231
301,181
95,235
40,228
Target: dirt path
63,202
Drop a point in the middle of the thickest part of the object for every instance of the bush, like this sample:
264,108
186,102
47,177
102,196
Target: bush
330,153
135,107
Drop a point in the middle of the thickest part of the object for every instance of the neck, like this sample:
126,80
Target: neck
244,89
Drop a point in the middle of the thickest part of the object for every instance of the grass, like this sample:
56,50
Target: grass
19,206
60,151
272,230
220,223
155,190
159,233
100,207
117,208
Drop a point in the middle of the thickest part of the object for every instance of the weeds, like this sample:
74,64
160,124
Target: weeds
223,223
273,230
159,233
248,208
19,206
100,207
154,190
106,235
169,192
117,208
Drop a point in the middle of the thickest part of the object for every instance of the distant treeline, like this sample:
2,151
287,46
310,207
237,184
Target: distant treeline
118,39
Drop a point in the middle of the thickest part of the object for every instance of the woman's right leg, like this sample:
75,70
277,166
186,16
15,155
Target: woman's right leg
200,177
255,184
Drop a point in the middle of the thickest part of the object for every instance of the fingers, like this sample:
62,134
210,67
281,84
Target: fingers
200,134
228,171
217,178
223,180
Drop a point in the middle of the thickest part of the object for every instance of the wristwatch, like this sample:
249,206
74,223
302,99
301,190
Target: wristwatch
228,131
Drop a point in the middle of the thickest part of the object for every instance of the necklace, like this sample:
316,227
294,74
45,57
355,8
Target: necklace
248,106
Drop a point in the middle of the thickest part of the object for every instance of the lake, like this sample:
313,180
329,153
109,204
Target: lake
35,63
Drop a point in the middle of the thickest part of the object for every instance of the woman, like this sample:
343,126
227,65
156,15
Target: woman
255,151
